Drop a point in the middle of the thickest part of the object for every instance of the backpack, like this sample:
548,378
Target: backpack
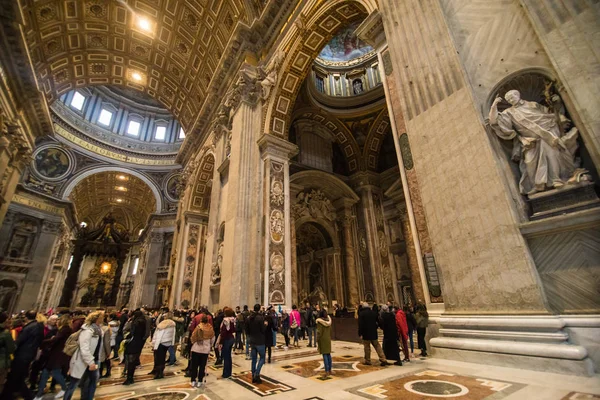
72,343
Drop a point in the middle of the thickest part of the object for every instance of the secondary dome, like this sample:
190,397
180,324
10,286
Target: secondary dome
344,47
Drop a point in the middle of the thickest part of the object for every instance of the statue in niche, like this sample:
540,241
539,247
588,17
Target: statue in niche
357,86
215,272
546,153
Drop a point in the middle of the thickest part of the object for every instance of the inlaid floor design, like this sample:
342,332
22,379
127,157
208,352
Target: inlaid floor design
345,366
429,384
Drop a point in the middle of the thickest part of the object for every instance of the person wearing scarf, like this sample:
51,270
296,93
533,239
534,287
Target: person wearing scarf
324,339
202,341
226,340
84,362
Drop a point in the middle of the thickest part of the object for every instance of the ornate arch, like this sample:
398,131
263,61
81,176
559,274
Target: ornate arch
311,34
340,131
200,195
375,139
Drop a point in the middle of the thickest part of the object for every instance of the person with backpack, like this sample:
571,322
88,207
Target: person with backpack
85,361
295,323
57,359
7,348
27,344
202,340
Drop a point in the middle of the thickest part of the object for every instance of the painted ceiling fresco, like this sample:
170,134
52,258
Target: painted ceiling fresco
345,45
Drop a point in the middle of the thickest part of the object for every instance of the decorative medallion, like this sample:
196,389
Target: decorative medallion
276,278
52,162
277,196
277,226
171,187
362,243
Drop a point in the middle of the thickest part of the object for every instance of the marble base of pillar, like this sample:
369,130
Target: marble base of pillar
530,342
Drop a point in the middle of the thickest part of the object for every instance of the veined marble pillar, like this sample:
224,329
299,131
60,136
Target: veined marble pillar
276,153
194,229
348,227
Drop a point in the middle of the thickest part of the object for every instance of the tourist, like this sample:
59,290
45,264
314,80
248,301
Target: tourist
27,344
226,340
119,338
311,325
218,318
255,329
57,359
295,323
422,318
411,323
402,325
367,331
179,332
303,316
39,363
106,340
245,315
7,348
83,368
390,335
269,329
202,340
163,338
285,328
239,330
323,340
113,325
134,344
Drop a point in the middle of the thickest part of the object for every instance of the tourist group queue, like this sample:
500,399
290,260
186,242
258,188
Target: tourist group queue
75,349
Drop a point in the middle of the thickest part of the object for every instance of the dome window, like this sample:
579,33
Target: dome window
77,101
133,128
161,133
105,117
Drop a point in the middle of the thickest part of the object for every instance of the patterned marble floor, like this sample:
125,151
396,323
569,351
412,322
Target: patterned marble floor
297,374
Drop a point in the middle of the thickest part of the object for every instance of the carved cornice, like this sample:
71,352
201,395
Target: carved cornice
371,30
271,145
52,227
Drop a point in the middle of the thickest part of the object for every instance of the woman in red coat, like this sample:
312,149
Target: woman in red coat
403,333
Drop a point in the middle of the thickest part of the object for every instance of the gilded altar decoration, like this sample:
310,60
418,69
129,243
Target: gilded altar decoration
277,226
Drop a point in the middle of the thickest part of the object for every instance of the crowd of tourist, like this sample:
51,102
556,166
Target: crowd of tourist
75,349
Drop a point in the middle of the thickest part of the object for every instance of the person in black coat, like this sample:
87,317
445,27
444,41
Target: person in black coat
255,331
119,338
390,336
269,328
134,344
367,330
217,328
28,342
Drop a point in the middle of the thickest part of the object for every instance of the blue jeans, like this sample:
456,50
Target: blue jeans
226,354
56,374
327,362
247,347
172,357
274,338
412,343
295,333
260,349
311,332
88,383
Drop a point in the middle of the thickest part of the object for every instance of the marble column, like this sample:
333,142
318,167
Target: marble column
58,229
275,154
72,274
149,279
348,221
411,254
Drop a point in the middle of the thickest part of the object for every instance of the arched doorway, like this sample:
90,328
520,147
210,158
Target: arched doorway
317,260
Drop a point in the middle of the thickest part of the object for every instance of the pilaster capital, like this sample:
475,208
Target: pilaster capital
371,30
364,180
271,145
156,237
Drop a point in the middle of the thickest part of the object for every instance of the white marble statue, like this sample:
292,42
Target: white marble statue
271,71
545,154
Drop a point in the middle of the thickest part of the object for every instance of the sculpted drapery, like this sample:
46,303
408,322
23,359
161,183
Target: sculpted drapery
546,156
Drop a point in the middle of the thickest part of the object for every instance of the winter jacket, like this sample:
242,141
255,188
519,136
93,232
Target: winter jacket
203,338
164,334
7,348
28,342
114,330
56,358
227,329
106,339
422,318
411,321
295,316
197,319
324,335
285,323
255,329
401,324
269,331
367,324
310,317
83,357
138,335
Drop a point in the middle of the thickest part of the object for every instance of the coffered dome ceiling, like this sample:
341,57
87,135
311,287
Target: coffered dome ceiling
129,199
177,51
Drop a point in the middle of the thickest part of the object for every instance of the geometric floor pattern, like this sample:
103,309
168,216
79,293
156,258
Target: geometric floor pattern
345,366
436,384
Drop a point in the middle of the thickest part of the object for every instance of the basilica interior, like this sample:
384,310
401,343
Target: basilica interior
230,152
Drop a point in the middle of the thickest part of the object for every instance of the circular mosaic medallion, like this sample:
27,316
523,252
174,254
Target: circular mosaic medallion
435,388
52,163
171,187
